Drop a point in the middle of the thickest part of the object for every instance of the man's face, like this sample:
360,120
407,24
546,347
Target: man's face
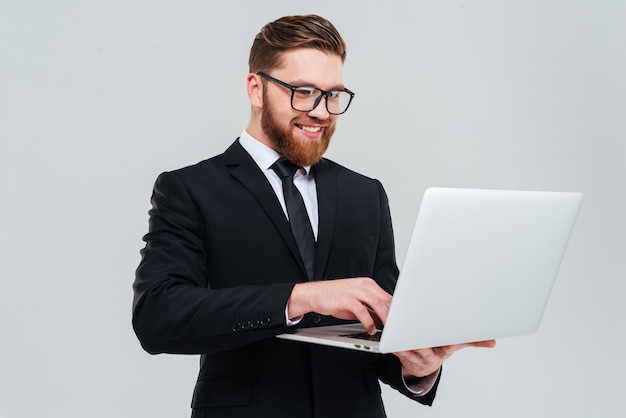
301,137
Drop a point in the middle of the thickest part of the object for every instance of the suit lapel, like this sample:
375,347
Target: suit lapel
243,168
326,184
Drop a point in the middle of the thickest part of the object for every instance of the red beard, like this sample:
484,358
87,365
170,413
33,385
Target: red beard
299,151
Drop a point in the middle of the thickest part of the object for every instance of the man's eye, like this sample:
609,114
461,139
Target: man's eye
334,94
305,91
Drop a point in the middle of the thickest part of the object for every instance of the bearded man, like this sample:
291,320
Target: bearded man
224,271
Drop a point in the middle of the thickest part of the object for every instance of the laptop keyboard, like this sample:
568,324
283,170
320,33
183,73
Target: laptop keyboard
365,336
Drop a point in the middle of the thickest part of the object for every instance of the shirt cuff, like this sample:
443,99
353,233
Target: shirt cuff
291,322
420,386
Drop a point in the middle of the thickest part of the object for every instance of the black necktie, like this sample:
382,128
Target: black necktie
296,211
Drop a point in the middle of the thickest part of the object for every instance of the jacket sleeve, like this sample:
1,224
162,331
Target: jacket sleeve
385,266
175,310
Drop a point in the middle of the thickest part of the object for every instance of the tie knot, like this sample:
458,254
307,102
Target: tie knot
284,168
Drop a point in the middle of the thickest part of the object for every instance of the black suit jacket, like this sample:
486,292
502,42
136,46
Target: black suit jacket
218,267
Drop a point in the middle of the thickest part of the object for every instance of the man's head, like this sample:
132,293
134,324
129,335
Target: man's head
300,51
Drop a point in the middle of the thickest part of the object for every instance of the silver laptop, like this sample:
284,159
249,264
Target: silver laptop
480,265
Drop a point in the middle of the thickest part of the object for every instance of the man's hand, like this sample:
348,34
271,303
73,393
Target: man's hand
424,362
352,299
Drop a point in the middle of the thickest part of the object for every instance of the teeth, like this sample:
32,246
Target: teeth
311,129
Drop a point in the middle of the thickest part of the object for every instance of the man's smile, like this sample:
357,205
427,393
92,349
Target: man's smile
308,128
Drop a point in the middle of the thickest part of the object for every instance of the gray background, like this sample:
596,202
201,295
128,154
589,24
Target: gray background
97,98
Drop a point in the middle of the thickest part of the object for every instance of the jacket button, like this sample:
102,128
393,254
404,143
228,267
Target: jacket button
254,324
245,326
236,327
265,322
316,318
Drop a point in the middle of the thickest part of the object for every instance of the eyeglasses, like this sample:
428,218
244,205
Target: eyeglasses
306,98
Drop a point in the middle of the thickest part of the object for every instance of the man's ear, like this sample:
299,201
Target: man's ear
255,90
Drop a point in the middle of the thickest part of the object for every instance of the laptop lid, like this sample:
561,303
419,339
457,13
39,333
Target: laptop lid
481,264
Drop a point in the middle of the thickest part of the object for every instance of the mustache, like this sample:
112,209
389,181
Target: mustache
312,121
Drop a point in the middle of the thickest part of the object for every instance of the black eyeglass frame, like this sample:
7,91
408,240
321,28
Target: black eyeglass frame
317,101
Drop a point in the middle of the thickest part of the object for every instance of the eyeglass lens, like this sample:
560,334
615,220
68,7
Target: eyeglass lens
305,99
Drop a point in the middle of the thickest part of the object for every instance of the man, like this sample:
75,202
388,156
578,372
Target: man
223,270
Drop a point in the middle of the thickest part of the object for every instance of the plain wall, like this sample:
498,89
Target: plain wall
97,98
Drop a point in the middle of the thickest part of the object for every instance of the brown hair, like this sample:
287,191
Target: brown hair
307,31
